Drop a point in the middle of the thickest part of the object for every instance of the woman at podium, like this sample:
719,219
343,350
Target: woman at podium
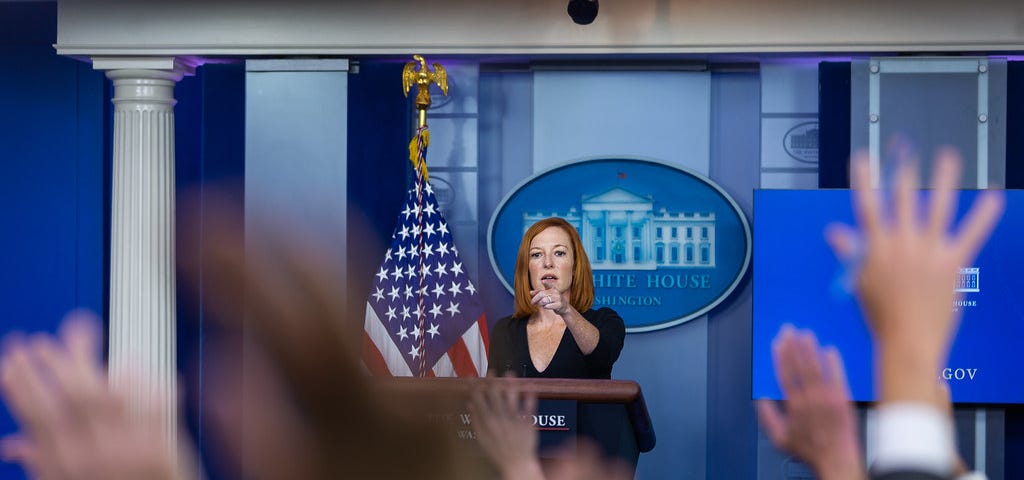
554,332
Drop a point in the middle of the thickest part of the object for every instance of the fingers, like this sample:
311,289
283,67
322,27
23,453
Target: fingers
844,242
544,295
477,405
529,404
867,201
548,299
802,368
16,448
489,412
980,221
506,401
973,232
796,361
772,421
76,389
808,362
782,354
76,368
501,401
81,334
835,372
27,395
777,348
944,197
907,186
499,412
20,450
814,426
489,403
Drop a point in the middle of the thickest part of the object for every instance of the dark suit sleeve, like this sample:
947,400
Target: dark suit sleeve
613,332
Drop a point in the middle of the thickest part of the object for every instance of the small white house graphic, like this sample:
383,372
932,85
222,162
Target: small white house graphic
621,231
967,281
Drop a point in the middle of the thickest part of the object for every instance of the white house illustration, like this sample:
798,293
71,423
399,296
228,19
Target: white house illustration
621,231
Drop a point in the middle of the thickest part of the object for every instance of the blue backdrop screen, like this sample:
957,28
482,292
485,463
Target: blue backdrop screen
798,280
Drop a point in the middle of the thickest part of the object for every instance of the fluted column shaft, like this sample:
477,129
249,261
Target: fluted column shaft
142,356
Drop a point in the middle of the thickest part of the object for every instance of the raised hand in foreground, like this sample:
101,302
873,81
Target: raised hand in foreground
73,424
286,393
501,422
910,266
501,412
818,426
906,289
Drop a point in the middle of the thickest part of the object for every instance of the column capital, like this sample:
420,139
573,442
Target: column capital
169,68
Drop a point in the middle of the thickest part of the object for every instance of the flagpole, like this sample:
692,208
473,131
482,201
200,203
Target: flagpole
401,313
422,78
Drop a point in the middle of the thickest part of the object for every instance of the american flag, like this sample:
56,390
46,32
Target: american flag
423,316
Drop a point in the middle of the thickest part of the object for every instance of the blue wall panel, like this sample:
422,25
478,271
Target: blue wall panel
378,169
735,151
209,156
52,188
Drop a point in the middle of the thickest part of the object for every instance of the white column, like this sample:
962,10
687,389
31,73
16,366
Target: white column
142,265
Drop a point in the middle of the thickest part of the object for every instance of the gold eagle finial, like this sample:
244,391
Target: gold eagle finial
423,78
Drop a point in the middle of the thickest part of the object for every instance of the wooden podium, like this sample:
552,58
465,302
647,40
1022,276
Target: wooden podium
610,413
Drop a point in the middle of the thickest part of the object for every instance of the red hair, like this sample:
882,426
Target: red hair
582,290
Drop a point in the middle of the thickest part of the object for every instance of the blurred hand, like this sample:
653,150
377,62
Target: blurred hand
906,282
73,425
504,431
819,425
511,441
304,407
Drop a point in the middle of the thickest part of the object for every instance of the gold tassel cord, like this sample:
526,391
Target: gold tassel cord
418,160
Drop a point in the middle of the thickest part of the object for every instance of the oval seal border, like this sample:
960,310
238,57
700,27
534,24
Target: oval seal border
802,127
714,187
